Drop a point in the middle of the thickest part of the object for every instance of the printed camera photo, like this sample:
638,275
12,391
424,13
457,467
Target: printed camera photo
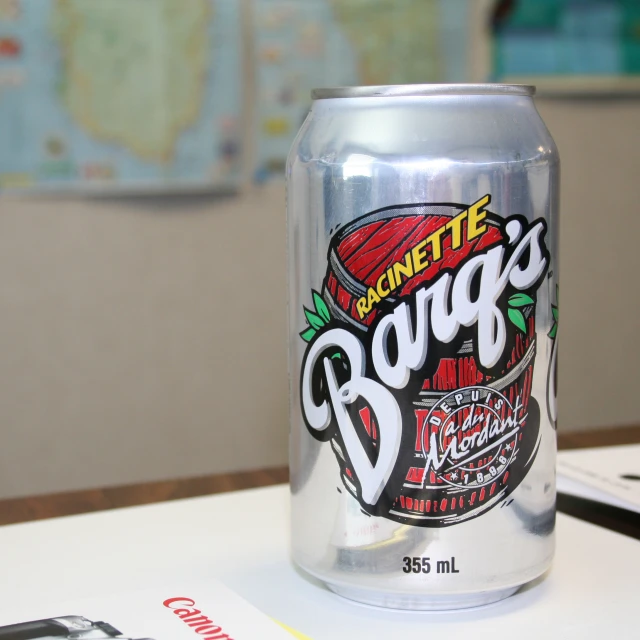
65,627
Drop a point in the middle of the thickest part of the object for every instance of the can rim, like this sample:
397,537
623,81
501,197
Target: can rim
406,90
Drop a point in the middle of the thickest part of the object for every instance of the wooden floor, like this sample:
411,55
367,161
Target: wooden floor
63,504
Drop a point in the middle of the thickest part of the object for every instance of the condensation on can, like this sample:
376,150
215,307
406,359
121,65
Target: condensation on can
423,293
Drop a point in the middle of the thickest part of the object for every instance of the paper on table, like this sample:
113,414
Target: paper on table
175,612
293,632
606,474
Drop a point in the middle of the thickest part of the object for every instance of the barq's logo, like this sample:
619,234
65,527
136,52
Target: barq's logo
185,609
470,296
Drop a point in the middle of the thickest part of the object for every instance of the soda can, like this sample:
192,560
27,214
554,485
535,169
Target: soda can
423,320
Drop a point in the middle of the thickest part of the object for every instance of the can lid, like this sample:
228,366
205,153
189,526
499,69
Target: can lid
402,90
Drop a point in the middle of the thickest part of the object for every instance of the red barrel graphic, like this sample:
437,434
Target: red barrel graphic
376,262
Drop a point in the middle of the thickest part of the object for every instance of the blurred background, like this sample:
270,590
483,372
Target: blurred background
142,219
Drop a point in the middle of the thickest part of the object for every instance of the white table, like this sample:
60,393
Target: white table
592,592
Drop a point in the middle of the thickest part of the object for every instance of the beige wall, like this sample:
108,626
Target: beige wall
145,339
140,340
599,354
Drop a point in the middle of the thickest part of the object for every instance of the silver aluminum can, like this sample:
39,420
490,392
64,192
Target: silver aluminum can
423,270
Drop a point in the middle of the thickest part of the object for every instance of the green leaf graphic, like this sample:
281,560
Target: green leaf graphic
321,307
554,311
315,321
520,300
336,356
307,334
518,319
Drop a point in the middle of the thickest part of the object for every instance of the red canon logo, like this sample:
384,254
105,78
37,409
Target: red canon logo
185,609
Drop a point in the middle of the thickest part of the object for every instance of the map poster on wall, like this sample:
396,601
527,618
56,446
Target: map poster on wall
316,43
547,38
120,95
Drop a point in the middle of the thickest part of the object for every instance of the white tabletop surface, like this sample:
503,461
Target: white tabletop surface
593,590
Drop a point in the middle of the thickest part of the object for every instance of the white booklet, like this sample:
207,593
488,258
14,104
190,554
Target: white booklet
209,611
606,474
